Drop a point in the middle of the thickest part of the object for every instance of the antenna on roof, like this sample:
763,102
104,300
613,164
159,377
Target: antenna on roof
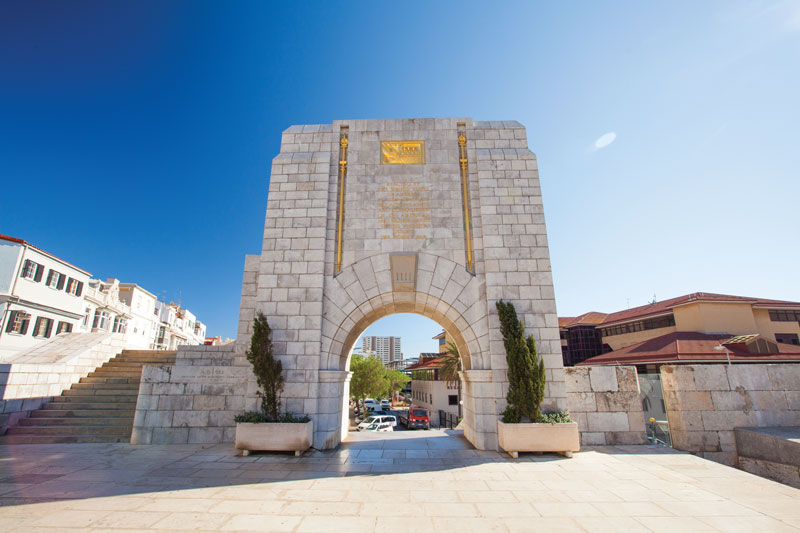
654,298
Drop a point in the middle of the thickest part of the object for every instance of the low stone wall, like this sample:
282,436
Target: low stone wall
772,453
605,402
34,377
193,401
706,402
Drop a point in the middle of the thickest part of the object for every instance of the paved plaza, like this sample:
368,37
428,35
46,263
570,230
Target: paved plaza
407,481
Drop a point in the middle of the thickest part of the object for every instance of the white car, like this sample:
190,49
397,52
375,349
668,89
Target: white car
385,405
379,419
369,403
386,426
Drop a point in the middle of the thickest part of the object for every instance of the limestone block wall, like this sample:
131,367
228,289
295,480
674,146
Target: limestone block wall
34,377
193,401
515,251
606,404
706,402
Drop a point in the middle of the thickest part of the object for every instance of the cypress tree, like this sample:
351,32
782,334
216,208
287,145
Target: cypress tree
266,368
526,378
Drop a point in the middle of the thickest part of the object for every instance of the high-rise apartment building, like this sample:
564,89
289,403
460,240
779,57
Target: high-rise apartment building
386,348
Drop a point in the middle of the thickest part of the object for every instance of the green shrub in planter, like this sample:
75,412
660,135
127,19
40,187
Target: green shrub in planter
267,369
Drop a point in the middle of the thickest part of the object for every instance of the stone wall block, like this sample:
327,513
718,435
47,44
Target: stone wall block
158,418
607,422
170,435
190,419
627,379
603,379
784,377
208,403
172,403
625,438
749,377
141,435
619,401
589,438
204,435
731,400
581,402
711,378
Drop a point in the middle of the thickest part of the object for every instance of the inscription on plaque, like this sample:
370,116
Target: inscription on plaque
404,208
402,152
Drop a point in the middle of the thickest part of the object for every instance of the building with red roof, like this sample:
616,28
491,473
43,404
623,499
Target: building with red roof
686,329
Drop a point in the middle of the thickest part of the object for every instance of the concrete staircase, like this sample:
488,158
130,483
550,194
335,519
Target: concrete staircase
99,408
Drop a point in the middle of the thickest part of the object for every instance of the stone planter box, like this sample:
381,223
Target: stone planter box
274,437
559,438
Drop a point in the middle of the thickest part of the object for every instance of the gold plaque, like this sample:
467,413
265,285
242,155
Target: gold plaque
403,153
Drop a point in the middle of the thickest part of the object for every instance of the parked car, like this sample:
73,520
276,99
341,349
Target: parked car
379,419
377,412
369,403
416,418
386,426
385,405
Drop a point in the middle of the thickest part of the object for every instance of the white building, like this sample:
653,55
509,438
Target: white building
143,324
387,349
41,295
176,327
103,309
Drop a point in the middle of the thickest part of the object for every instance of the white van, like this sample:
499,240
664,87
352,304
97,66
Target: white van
378,419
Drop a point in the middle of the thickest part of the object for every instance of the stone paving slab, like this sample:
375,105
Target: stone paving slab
376,483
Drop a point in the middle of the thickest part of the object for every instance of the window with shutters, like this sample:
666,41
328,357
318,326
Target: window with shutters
74,287
18,322
55,280
32,270
43,327
64,327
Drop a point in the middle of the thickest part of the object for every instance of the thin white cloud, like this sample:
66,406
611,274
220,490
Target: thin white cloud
603,141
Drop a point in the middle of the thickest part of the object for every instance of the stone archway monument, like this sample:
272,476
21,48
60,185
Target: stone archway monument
366,218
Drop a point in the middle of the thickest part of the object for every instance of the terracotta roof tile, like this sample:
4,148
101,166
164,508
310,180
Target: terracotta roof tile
665,306
690,347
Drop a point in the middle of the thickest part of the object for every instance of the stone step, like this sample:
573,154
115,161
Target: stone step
126,364
111,373
150,352
69,430
120,420
108,381
94,403
98,391
93,398
62,439
124,410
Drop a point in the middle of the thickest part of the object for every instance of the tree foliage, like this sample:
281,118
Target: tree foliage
526,376
267,369
396,380
451,365
369,377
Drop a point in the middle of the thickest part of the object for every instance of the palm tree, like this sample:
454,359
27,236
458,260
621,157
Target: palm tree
451,366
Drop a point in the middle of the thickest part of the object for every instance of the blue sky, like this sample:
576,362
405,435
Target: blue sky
136,138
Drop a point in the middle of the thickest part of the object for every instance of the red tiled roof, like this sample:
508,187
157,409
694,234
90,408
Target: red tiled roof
665,306
48,254
690,347
591,318
437,362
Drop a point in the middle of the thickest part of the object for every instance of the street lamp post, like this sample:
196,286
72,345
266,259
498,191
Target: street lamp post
727,353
